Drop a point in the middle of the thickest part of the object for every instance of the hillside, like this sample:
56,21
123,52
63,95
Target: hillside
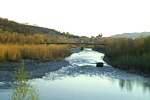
53,32
12,26
131,35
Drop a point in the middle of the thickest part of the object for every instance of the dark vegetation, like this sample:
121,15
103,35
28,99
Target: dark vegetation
128,54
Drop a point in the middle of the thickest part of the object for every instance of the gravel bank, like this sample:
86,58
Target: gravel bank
35,68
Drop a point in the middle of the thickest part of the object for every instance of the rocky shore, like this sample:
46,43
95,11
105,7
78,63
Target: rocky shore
35,68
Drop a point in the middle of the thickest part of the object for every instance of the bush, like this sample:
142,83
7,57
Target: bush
22,90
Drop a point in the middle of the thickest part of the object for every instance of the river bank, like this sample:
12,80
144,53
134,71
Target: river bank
137,72
109,60
35,68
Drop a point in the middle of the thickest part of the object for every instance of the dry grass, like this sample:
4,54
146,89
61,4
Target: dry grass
14,52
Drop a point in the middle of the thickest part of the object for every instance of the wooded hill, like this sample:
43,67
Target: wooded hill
12,26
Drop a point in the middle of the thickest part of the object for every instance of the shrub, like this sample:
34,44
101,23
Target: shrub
22,90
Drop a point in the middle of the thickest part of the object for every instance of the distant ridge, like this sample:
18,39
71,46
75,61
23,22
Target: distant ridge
132,35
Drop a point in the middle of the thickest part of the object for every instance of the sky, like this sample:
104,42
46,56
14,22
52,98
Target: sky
81,17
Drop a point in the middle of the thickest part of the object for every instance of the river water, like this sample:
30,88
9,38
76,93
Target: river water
82,80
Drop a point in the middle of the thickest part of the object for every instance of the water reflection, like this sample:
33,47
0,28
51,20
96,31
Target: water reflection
126,84
125,80
146,87
84,86
129,85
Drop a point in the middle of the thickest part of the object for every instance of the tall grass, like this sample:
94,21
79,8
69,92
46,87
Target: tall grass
14,52
129,54
132,62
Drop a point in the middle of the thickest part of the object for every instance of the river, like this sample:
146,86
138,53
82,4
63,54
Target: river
82,80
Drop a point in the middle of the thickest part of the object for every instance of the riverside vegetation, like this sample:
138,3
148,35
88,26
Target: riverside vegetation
128,54
21,41
13,52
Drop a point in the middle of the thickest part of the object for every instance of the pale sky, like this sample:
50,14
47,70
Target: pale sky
81,17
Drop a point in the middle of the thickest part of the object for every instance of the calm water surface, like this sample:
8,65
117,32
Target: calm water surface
81,80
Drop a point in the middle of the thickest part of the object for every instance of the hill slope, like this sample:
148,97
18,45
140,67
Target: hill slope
131,35
53,32
12,26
